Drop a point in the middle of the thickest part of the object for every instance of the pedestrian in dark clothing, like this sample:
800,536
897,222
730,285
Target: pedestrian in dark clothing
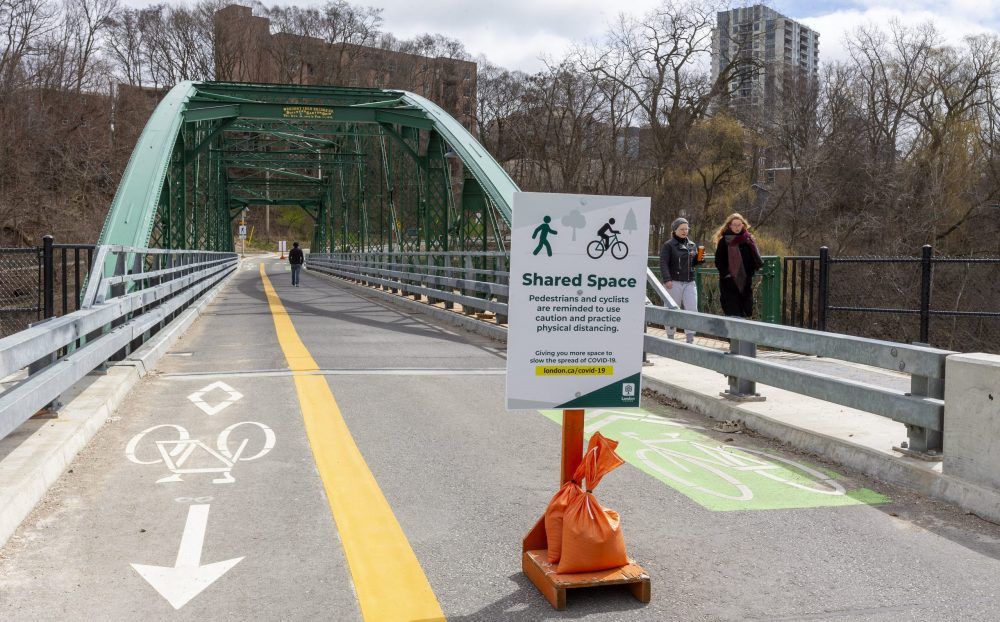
678,259
296,259
737,260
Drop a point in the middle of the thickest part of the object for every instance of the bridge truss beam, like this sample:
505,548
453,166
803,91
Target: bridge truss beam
375,169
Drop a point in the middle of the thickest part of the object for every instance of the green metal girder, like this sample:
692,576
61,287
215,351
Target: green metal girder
274,159
201,111
289,201
274,184
133,210
207,140
393,134
188,165
323,142
303,130
287,152
236,91
212,113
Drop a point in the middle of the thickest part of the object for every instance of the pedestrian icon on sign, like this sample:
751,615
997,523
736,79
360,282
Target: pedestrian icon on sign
542,232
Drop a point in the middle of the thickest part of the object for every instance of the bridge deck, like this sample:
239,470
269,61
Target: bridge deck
758,533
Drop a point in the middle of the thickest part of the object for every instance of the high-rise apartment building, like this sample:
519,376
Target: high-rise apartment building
771,55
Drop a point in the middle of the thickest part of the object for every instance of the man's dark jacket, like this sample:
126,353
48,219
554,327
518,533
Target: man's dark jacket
295,257
678,259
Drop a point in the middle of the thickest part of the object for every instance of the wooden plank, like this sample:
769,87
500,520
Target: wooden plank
641,590
556,596
553,585
536,538
631,573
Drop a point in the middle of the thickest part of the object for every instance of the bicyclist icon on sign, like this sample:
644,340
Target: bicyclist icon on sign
607,240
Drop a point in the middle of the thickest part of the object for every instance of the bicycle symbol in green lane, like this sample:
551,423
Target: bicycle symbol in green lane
719,477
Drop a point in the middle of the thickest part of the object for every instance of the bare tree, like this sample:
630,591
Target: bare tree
22,23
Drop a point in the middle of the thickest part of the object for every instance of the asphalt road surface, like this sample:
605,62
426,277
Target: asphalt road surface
313,454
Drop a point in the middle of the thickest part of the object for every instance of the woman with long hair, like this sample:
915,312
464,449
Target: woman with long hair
736,259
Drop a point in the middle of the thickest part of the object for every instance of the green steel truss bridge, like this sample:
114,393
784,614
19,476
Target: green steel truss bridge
377,170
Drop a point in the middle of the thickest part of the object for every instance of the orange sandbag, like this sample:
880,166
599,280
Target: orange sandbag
554,517
592,538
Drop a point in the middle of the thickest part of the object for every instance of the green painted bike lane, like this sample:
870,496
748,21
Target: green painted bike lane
719,476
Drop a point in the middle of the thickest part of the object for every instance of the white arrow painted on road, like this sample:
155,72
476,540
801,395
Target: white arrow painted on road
187,577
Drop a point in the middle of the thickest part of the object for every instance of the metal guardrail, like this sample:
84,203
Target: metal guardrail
436,276
816,295
921,409
143,292
476,281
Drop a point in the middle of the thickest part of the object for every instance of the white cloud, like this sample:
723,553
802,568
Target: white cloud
511,33
516,33
834,27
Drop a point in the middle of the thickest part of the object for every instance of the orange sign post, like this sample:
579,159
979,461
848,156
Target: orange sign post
534,548
572,444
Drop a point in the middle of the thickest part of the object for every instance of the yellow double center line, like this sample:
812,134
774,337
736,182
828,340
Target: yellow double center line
388,579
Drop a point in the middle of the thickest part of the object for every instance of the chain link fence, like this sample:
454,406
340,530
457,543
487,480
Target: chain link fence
40,282
947,302
20,289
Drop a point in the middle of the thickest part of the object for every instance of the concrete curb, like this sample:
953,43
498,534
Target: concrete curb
41,456
982,502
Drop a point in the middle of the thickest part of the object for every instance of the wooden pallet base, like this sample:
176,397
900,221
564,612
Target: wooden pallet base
553,585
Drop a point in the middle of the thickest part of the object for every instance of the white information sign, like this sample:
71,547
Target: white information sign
577,301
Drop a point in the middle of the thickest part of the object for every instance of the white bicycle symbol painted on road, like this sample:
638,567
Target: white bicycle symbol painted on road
184,455
684,460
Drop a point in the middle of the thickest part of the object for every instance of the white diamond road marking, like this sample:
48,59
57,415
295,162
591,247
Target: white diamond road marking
197,398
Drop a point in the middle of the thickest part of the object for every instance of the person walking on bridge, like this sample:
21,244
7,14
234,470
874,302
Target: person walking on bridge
737,259
296,259
678,259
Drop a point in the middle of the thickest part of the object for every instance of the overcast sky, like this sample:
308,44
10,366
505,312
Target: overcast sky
518,33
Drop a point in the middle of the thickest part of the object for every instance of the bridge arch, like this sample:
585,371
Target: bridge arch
376,169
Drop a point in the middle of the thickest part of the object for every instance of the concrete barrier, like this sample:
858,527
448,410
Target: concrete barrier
972,418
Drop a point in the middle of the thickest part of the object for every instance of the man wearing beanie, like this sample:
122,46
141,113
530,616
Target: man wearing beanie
678,259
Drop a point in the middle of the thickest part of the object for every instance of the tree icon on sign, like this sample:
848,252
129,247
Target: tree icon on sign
575,220
630,222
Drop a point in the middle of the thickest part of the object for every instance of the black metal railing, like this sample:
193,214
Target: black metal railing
40,282
950,302
800,291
